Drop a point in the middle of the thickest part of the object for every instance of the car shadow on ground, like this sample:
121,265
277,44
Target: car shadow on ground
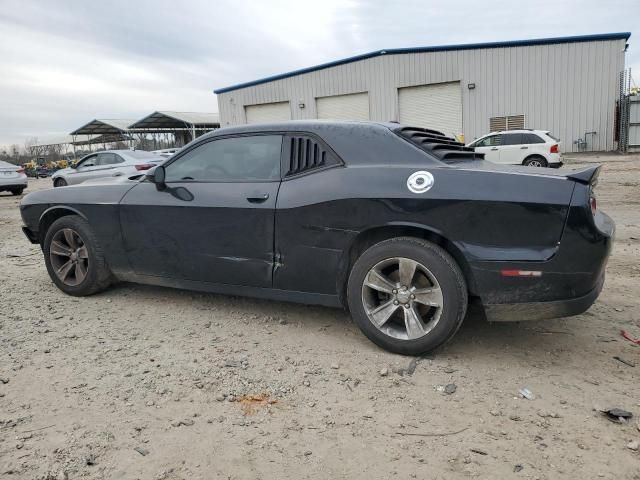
476,339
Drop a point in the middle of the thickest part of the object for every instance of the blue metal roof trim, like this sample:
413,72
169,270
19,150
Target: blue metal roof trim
439,48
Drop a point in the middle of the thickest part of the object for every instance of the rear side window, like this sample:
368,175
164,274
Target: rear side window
530,138
246,158
511,139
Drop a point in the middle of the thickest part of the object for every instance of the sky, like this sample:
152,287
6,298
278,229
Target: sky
66,62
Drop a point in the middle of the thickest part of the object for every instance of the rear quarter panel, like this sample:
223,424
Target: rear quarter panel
487,215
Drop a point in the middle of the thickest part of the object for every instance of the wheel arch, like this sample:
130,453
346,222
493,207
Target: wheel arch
373,235
52,214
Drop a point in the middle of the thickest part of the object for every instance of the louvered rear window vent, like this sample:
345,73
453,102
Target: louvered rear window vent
306,153
439,145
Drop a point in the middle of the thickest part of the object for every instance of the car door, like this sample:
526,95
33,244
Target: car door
489,145
512,151
214,221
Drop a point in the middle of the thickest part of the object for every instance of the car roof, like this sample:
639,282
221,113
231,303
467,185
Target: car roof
135,154
301,125
519,130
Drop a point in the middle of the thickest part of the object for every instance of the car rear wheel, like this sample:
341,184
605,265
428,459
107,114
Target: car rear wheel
17,191
407,295
74,258
535,161
59,182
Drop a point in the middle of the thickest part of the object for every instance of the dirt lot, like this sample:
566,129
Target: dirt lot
146,382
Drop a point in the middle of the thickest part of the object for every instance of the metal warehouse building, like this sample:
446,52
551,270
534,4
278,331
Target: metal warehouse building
568,85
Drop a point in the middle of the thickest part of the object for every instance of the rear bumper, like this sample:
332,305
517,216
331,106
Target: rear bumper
516,312
13,185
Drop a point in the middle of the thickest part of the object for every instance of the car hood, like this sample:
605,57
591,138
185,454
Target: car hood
109,192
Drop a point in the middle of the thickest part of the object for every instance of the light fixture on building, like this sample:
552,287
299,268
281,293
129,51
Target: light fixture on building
471,86
301,104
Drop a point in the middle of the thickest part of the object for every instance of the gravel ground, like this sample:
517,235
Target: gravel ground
147,382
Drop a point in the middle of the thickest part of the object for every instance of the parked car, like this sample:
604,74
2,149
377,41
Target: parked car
166,152
403,226
12,178
532,148
110,163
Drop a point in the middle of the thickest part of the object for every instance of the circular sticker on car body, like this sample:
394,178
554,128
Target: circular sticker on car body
420,182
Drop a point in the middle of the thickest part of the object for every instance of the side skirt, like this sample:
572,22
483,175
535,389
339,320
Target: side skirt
235,290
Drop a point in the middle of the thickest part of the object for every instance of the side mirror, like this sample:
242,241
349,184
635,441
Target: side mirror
158,176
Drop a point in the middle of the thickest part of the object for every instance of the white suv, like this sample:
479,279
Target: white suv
534,148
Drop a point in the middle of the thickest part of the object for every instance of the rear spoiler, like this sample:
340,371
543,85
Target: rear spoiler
587,175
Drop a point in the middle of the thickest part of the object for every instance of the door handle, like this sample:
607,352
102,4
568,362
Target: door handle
494,148
523,148
258,198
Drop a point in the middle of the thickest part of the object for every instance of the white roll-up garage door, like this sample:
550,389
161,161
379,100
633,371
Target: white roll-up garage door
268,112
437,106
354,106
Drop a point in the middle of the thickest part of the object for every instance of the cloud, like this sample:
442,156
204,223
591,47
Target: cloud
64,63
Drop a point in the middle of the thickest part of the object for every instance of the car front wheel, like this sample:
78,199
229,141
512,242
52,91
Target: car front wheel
59,182
74,258
407,295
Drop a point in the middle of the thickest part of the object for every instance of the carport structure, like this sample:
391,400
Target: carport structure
54,147
184,126
103,131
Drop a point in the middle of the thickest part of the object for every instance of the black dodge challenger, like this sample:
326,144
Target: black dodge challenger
403,226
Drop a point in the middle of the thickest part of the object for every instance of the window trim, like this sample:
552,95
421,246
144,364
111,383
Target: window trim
183,152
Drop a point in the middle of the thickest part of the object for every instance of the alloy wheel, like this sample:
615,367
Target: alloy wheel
69,257
402,298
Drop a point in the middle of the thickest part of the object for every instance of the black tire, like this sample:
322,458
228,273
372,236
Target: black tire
443,267
98,276
17,191
59,182
535,161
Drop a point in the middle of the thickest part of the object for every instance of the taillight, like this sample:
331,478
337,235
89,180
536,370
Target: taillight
144,166
20,170
593,204
554,148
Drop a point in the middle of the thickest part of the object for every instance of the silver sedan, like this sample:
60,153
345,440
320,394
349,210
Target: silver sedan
12,178
110,163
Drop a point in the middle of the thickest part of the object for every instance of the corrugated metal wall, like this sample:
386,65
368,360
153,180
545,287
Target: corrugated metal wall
634,123
568,88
